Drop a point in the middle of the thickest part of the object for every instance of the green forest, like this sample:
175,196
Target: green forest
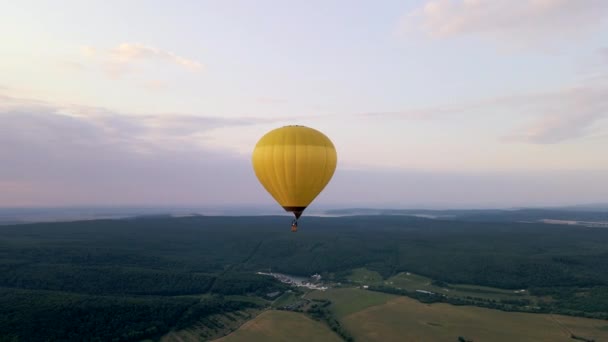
131,279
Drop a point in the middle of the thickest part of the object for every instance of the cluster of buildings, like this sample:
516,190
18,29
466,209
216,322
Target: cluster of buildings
313,283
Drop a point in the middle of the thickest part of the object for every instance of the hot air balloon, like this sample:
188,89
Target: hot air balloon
294,164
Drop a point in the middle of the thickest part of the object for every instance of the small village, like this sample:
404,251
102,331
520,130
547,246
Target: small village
314,283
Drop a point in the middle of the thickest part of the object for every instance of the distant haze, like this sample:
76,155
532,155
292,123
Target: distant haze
431,104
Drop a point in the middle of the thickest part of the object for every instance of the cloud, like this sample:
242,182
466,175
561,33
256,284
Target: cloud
270,100
56,155
122,59
76,155
155,85
444,190
127,53
88,51
71,65
426,113
9,103
514,22
564,115
554,116
604,55
83,124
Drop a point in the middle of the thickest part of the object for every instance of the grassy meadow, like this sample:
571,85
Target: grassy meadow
412,282
282,326
405,319
348,301
374,316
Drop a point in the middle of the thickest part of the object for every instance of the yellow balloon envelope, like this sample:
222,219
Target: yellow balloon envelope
294,164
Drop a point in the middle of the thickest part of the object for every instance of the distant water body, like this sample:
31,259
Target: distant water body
33,215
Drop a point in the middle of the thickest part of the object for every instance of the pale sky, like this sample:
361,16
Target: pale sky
445,103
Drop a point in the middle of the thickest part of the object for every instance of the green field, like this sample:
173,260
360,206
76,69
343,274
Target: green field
373,316
364,276
348,301
413,282
405,319
289,297
282,326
